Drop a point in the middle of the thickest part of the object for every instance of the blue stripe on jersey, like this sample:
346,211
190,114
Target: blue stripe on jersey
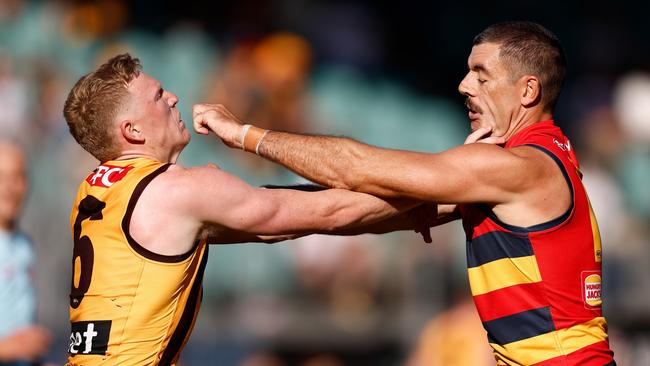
519,326
497,245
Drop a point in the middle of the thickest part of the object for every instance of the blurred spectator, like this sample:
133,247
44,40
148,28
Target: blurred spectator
631,101
14,97
341,274
20,339
453,338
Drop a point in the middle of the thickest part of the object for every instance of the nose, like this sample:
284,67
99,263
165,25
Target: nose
172,99
464,87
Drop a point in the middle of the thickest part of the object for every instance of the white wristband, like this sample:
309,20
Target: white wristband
244,131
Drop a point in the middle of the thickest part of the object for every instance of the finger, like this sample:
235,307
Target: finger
199,124
426,234
200,108
477,134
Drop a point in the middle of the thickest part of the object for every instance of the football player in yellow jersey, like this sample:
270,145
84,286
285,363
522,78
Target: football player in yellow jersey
140,223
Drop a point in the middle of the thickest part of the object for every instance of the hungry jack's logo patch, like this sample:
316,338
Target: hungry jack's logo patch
591,289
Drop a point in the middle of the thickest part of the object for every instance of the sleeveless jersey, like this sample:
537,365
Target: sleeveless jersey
128,305
538,289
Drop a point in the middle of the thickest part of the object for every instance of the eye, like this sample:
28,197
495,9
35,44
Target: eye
482,81
159,94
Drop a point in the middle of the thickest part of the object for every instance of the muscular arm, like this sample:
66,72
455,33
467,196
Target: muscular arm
206,196
420,218
468,173
462,174
280,211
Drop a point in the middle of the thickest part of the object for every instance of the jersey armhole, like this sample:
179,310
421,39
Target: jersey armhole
126,223
548,224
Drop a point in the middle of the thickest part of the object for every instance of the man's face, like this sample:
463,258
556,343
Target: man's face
13,184
492,96
154,110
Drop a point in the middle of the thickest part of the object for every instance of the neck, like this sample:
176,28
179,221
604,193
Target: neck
527,118
169,157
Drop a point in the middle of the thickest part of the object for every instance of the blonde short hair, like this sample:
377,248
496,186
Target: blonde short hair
94,102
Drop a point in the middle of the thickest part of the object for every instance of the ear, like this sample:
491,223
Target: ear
532,91
131,132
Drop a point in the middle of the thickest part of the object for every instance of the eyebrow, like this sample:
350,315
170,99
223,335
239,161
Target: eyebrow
480,68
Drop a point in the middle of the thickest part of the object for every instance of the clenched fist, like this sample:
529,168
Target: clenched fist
218,119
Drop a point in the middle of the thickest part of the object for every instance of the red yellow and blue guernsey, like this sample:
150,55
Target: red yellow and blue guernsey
538,289
128,305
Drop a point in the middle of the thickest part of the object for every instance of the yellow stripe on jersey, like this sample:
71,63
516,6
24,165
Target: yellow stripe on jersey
553,344
503,273
598,250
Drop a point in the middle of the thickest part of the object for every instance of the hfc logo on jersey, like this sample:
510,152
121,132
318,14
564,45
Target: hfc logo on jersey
90,337
106,175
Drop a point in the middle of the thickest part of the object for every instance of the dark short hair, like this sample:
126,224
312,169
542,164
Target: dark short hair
529,48
94,102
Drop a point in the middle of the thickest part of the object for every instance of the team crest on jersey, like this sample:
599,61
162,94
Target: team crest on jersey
106,175
563,147
89,337
591,289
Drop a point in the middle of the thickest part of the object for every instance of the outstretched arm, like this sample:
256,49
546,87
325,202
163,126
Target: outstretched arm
462,174
207,196
419,219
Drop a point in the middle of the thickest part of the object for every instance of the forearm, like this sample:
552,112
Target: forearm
224,235
413,219
345,163
342,209
396,223
330,161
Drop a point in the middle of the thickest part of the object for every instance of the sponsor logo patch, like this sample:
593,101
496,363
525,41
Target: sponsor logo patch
89,337
106,175
592,289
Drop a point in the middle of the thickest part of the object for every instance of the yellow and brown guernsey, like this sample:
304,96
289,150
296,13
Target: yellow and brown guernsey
128,305
538,289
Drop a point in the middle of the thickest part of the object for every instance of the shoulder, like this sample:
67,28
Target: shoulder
186,185
177,177
493,157
533,158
